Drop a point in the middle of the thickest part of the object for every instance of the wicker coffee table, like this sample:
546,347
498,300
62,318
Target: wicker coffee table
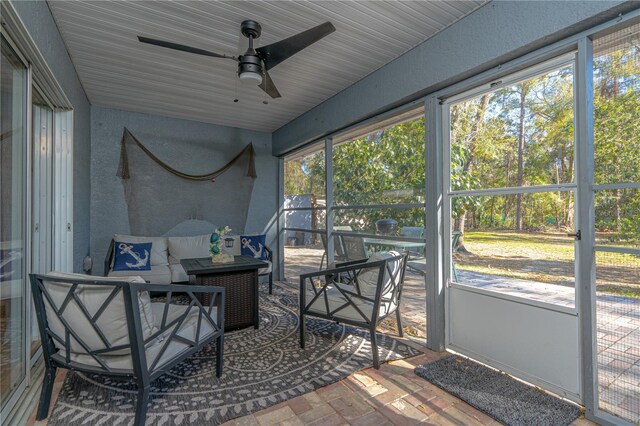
240,281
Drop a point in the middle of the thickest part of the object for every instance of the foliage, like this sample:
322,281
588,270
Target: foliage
515,136
384,167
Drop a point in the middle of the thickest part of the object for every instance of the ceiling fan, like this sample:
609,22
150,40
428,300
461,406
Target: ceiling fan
254,64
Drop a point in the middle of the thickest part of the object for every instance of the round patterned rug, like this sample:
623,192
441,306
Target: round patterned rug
261,368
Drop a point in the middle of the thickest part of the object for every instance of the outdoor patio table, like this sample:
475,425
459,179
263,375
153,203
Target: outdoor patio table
397,245
393,244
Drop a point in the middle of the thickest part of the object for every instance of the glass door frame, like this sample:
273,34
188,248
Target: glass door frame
49,198
17,393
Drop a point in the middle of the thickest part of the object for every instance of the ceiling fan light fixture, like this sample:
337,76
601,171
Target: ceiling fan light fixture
250,68
251,76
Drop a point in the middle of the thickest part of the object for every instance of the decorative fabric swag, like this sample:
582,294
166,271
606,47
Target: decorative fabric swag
129,138
163,200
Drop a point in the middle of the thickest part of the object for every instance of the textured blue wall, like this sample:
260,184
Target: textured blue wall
497,32
42,28
207,145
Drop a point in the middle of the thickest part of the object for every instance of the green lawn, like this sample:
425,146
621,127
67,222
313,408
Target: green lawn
546,257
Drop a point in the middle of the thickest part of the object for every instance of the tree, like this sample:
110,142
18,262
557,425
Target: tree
463,156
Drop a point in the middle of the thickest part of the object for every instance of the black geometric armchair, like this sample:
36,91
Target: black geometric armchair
109,326
361,293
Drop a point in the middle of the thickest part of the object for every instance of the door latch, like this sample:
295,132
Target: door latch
577,235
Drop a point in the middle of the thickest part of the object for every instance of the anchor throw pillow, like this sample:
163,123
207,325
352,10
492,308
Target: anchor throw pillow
253,246
132,256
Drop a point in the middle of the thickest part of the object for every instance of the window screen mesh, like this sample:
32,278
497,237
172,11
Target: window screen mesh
617,143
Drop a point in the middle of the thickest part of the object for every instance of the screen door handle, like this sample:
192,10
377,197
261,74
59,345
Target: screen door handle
577,235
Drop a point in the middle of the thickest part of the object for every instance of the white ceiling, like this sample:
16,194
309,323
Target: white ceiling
119,72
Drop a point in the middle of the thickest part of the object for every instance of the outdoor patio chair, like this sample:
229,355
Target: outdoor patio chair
269,269
413,232
354,247
338,248
371,293
110,326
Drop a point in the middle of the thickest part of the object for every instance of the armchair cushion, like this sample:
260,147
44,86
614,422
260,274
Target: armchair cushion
188,330
336,299
158,247
112,322
158,274
368,278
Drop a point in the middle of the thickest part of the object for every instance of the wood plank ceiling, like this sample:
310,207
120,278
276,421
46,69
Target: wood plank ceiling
119,72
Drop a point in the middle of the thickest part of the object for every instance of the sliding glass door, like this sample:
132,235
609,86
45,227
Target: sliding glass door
13,243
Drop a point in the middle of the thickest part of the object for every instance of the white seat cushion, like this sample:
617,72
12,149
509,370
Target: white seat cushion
178,274
112,322
159,254
188,247
337,299
264,271
187,330
159,274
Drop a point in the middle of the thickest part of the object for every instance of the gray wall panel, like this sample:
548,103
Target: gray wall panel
209,147
496,32
42,28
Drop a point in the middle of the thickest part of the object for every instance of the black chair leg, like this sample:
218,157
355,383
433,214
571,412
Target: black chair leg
45,393
302,331
374,348
270,282
141,406
399,321
219,355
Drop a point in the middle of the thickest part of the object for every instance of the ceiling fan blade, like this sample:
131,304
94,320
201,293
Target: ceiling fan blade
268,86
182,47
277,52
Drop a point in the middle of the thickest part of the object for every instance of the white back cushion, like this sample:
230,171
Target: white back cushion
112,322
368,278
188,247
158,247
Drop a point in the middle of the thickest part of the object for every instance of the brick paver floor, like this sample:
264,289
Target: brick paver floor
618,323
392,395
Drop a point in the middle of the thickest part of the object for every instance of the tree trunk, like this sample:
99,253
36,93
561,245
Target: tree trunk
459,223
616,209
520,180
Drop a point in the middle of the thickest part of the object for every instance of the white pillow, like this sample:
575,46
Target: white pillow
158,247
112,322
188,247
